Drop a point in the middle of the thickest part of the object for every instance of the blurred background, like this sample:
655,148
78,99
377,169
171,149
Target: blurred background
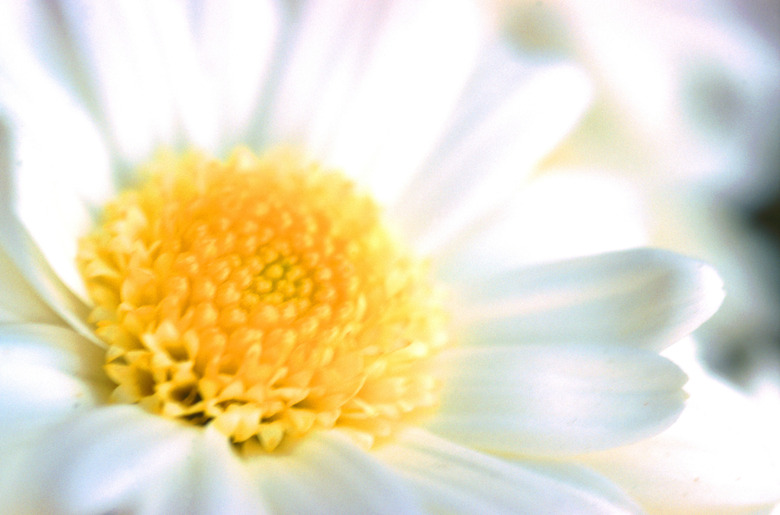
684,136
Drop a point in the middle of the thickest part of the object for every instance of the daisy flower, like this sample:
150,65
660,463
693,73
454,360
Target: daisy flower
251,263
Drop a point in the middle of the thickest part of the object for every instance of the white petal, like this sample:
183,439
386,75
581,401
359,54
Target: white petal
145,73
454,479
53,156
37,272
192,96
722,455
327,473
35,398
47,374
54,169
555,399
512,114
36,51
212,480
236,40
108,460
641,297
407,93
18,300
53,347
113,40
368,86
559,214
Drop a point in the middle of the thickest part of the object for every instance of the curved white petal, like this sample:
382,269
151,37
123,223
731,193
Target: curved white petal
640,297
721,456
54,164
236,40
453,479
114,41
20,22
559,214
34,397
18,300
107,460
36,51
328,473
511,115
37,272
54,169
191,93
555,399
211,480
584,480
145,72
368,86
53,347
47,374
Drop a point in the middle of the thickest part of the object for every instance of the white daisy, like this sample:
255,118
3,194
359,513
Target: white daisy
414,100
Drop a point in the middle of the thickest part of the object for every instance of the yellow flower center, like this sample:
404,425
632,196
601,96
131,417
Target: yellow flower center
263,296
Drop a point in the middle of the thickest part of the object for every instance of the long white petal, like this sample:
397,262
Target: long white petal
52,346
327,473
47,374
453,479
559,214
54,169
107,460
144,70
236,40
721,456
640,297
53,157
37,272
18,300
211,480
555,399
114,41
36,51
369,86
512,114
193,96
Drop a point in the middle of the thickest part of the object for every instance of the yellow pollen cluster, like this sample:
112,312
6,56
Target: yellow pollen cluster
263,296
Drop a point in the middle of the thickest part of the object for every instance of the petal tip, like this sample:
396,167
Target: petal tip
711,287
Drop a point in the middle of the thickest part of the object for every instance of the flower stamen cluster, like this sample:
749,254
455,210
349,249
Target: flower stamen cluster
263,296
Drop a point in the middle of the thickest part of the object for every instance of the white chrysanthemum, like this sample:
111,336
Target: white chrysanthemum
546,366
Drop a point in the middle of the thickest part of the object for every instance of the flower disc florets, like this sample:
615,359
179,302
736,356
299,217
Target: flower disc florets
263,296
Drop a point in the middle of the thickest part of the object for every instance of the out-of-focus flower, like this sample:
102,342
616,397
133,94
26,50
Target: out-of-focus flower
684,91
544,365
685,118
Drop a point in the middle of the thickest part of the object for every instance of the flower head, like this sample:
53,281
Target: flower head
320,323
262,296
